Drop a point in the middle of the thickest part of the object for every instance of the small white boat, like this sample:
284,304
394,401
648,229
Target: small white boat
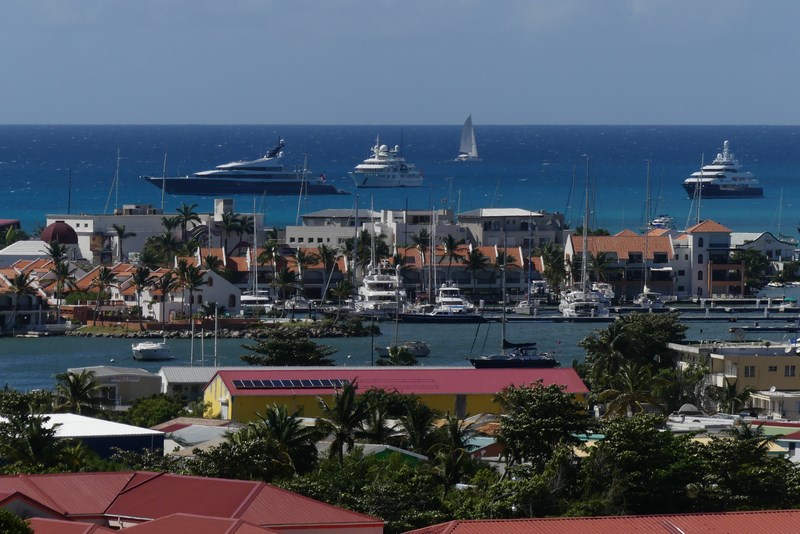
418,349
468,149
151,350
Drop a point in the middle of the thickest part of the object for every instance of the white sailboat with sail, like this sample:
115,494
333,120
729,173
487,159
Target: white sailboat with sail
468,149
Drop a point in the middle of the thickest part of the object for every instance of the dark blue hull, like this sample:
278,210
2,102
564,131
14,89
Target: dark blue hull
213,186
716,191
441,318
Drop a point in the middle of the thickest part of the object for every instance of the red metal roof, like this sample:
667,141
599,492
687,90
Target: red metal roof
415,380
195,524
732,522
80,493
57,526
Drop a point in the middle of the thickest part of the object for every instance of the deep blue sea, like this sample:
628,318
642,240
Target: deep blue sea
531,167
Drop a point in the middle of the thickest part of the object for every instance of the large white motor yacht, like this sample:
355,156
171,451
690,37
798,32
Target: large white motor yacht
723,179
386,167
381,289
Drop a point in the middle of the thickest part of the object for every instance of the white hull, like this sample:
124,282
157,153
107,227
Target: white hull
468,148
386,168
151,350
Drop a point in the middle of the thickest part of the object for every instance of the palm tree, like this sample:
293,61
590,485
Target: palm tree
270,254
56,251
285,280
341,291
422,242
727,397
168,244
286,429
228,224
213,263
244,226
450,453
142,279
65,278
78,393
165,284
170,223
121,236
21,284
634,390
342,419
553,264
451,245
186,215
328,256
103,280
192,280
419,424
150,257
304,259
476,261
599,264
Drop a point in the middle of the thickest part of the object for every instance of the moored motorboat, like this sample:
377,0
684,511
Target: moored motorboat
151,350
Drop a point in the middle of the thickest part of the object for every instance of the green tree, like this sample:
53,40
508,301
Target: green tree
228,224
450,246
637,338
244,456
170,223
554,270
476,261
640,469
727,396
22,284
10,523
286,281
287,429
151,411
122,235
190,278
141,279
451,458
64,279
78,393
755,267
103,280
536,418
341,291
304,259
56,252
186,215
287,346
600,266
328,257
28,443
342,419
419,426
633,391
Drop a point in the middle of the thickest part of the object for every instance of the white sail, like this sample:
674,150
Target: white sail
468,149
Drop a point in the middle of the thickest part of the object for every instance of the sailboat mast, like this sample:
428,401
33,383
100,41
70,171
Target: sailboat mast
647,225
163,182
585,248
700,186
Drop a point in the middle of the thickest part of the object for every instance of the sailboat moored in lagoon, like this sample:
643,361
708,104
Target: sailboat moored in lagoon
468,148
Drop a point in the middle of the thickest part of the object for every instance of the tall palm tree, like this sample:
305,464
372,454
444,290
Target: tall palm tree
450,453
328,256
341,291
600,266
422,242
476,261
284,281
450,245
142,279
192,280
21,284
65,279
229,224
553,265
56,251
213,263
169,245
103,280
186,215
245,226
419,424
304,259
165,284
78,393
270,254
121,236
170,223
342,419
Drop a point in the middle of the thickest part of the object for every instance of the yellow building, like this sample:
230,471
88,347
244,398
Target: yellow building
239,394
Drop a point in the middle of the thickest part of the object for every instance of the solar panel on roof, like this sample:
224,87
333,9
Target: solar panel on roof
237,384
306,383
316,383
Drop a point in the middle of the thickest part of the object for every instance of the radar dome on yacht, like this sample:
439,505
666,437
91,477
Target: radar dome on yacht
384,148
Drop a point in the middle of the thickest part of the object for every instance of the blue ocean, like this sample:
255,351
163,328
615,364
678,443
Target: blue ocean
61,169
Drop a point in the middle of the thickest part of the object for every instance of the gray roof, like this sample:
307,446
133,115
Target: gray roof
195,375
342,213
110,370
739,238
500,212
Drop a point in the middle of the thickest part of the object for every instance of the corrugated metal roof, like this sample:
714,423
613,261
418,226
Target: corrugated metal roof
416,380
41,525
186,374
192,524
78,493
499,212
111,370
732,522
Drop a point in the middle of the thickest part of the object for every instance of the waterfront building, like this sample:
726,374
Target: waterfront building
238,395
121,386
513,226
702,262
631,259
21,311
330,227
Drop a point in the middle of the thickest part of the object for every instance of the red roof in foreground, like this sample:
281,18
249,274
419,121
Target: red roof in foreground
195,524
57,526
142,496
762,521
413,380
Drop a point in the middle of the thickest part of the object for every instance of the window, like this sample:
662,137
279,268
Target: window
681,272
700,259
699,275
210,282
231,301
699,241
772,368
749,371
788,370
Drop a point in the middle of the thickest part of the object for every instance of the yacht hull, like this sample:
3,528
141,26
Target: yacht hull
717,191
191,185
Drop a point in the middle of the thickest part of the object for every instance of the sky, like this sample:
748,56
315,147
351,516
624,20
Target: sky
399,62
